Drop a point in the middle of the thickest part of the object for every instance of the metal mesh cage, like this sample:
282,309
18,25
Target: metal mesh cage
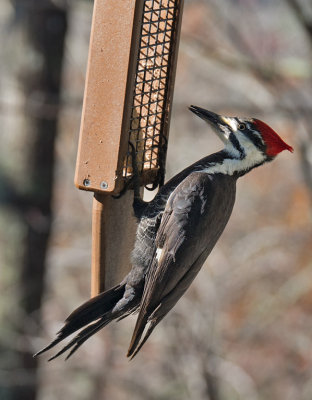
128,96
151,97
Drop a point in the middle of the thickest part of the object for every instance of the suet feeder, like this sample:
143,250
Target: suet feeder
127,100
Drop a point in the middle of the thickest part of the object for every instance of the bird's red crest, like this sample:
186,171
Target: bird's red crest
275,144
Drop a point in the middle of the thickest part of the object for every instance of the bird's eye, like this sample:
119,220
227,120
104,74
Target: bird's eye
241,127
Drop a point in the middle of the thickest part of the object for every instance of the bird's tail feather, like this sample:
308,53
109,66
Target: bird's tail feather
137,334
136,345
136,342
82,336
98,308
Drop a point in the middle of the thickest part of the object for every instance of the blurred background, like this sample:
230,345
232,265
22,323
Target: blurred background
243,330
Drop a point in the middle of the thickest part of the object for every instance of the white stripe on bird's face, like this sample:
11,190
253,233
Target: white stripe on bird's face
230,166
231,122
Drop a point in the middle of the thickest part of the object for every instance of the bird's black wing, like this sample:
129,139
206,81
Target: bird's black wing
194,218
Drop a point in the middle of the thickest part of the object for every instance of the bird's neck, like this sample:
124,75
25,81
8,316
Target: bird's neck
232,163
223,162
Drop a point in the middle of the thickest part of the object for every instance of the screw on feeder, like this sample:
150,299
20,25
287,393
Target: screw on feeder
86,182
104,185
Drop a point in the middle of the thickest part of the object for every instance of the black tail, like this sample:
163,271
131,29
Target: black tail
99,309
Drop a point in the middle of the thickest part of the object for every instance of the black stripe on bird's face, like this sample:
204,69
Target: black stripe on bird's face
248,129
237,146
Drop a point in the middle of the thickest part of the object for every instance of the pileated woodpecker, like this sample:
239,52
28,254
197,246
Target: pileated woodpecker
176,232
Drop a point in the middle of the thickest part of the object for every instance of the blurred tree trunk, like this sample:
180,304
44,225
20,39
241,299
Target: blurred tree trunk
44,27
304,18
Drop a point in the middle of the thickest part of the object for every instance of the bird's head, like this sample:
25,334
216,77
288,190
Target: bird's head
246,139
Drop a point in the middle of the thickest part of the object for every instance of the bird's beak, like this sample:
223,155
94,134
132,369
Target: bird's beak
221,125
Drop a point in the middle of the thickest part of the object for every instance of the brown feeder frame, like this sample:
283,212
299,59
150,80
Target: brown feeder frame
128,96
